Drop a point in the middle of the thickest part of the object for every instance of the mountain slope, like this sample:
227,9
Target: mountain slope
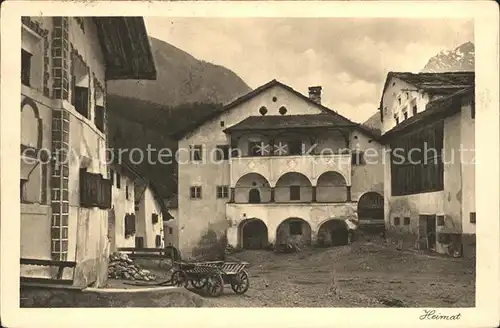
182,79
139,124
459,59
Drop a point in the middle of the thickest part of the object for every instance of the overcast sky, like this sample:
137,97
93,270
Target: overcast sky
348,57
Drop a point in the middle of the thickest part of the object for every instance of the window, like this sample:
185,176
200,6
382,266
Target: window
126,191
112,177
99,106
80,84
263,110
472,217
130,225
81,100
399,100
295,147
222,124
170,231
118,180
414,109
294,192
357,158
397,120
139,242
282,110
396,220
158,241
295,228
222,153
222,191
195,152
95,191
405,114
99,117
416,164
195,192
440,220
255,148
154,218
406,221
25,67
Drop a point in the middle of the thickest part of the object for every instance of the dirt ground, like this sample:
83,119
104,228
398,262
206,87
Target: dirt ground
363,274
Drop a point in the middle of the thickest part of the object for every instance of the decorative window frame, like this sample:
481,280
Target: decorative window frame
35,28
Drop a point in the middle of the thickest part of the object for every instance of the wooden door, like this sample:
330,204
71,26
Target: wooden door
431,232
422,232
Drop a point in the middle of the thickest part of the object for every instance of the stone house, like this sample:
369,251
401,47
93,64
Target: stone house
137,214
273,167
430,184
65,188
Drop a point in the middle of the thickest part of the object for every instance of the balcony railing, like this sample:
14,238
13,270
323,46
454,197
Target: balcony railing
290,194
273,167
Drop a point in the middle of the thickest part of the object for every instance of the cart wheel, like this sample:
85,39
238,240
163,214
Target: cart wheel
179,279
215,285
199,283
240,282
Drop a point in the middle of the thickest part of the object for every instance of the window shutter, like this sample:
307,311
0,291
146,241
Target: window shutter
108,184
83,189
105,193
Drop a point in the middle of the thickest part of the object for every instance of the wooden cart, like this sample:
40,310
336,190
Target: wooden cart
212,275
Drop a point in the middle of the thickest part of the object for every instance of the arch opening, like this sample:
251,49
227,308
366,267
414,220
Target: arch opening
331,187
252,188
371,212
333,232
293,187
253,234
293,231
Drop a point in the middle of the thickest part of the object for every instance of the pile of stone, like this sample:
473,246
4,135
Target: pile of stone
122,267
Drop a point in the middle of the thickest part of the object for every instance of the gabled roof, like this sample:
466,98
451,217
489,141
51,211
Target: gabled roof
436,83
277,122
435,110
179,135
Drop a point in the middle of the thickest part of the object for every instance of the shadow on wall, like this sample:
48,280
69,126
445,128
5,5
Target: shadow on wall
211,247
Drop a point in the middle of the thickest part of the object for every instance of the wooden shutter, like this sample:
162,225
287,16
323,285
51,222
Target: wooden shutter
105,193
84,201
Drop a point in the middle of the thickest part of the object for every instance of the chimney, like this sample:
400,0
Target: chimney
315,94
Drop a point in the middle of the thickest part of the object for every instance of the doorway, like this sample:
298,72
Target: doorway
427,232
254,196
254,234
431,232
